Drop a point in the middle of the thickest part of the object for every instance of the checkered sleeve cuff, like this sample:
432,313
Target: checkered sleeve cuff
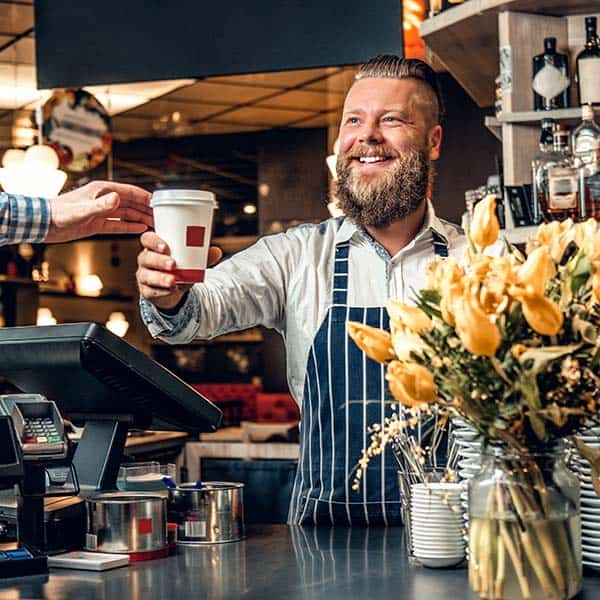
23,219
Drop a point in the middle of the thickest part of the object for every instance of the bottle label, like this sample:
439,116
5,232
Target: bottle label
587,152
550,81
589,80
562,188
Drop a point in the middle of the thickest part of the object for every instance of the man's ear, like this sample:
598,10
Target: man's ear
435,142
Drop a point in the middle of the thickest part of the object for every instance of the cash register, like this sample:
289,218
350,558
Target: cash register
92,377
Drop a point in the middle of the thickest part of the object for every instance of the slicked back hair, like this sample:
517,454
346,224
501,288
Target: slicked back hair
394,67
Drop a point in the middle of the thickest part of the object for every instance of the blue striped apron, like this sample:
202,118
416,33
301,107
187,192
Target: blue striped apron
344,393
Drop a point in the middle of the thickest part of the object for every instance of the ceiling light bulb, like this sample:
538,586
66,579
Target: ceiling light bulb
249,209
42,156
117,323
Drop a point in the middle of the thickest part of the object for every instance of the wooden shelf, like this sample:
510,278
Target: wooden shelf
534,117
465,38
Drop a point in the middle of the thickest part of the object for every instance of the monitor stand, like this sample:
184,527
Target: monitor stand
99,453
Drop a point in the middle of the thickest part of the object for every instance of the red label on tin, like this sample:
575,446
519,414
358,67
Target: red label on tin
144,526
194,235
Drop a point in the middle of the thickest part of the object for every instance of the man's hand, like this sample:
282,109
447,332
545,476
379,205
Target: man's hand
155,278
99,207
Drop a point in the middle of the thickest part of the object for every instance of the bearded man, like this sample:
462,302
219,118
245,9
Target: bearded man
309,281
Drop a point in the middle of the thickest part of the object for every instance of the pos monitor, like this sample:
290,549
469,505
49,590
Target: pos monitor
100,381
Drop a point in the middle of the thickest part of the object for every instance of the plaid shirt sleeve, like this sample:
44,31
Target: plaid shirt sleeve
23,219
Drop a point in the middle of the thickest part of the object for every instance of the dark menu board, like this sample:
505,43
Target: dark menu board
116,41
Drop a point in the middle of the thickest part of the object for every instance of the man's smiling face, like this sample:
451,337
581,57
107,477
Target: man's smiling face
387,139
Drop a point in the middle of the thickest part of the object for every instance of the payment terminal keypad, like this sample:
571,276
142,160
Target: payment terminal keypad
40,430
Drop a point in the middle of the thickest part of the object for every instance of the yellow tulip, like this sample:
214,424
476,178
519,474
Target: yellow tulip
476,330
406,341
596,283
537,270
411,317
411,384
542,314
375,343
485,228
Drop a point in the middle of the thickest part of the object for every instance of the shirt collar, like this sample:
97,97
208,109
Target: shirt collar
349,229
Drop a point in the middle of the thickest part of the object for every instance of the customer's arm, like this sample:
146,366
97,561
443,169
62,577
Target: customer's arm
23,219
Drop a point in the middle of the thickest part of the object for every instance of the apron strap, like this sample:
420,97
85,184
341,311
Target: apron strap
440,244
340,274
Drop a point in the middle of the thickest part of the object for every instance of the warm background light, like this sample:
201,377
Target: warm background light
33,172
45,317
117,323
88,285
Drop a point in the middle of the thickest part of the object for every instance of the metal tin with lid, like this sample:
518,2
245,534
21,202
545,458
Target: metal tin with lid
211,514
127,523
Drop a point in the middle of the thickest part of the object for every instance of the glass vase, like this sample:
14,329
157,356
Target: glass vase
524,526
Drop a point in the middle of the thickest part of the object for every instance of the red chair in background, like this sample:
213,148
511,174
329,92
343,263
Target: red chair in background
276,408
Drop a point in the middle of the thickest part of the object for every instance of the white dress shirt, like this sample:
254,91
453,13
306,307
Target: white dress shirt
284,282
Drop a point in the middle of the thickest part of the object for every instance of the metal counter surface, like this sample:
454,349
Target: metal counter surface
275,561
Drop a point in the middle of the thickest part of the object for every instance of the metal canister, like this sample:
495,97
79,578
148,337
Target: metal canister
211,514
126,523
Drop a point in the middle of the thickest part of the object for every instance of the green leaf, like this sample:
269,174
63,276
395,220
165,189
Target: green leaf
530,392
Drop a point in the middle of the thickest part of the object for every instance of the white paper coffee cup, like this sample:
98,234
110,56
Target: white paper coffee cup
183,219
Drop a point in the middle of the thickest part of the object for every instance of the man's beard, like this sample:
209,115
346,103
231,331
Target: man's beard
380,199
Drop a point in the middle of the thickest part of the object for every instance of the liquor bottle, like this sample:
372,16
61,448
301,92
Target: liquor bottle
588,66
546,146
586,153
550,78
558,180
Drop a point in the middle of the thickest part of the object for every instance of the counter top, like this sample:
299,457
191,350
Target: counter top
275,561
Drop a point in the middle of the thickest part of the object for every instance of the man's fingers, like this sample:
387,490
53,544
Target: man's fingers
151,241
155,279
130,195
153,260
133,215
214,255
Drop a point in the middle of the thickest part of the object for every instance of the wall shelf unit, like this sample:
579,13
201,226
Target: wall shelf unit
467,39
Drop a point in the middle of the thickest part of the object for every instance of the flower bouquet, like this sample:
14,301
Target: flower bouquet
508,343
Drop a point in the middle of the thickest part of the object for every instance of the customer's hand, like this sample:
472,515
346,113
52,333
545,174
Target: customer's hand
99,207
155,277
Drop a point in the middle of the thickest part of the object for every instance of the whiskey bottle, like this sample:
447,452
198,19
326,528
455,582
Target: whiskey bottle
546,146
588,66
550,78
558,180
586,154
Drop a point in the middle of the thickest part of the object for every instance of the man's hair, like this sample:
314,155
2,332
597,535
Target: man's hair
394,67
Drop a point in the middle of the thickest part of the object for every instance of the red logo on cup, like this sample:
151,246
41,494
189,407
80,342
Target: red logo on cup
194,235
144,526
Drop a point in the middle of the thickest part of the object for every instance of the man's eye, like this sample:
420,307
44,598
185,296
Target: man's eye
391,119
352,120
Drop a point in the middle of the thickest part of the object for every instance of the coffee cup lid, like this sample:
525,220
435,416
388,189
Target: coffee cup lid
182,197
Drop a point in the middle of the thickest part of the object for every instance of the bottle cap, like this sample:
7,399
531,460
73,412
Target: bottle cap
550,44
590,23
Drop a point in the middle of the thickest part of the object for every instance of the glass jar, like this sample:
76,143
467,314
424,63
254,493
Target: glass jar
524,526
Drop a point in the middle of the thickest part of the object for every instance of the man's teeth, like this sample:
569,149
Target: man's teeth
371,159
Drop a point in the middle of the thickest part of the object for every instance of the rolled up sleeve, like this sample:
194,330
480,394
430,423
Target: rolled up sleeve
246,290
23,219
